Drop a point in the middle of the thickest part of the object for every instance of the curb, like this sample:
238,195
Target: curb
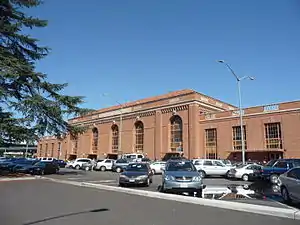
237,206
17,179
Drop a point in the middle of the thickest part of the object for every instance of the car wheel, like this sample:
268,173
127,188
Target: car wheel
285,195
199,193
121,185
202,173
245,177
274,178
118,170
77,167
153,171
87,168
102,168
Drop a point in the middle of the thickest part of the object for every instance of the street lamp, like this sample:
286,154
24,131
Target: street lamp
239,79
121,121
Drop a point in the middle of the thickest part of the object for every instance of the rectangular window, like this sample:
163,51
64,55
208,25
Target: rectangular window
211,143
74,144
46,150
237,137
41,150
273,137
52,149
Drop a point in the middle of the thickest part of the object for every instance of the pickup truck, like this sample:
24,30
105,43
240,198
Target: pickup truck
275,168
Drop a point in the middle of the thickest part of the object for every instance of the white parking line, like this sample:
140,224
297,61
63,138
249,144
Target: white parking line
102,181
74,178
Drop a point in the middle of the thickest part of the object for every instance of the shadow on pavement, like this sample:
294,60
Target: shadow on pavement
66,215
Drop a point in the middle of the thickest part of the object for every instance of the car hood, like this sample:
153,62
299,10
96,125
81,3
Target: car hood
182,173
134,173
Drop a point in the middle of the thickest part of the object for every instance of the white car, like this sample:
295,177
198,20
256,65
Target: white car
243,171
156,167
105,164
211,167
77,163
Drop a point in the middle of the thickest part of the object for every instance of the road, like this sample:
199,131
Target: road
262,196
45,202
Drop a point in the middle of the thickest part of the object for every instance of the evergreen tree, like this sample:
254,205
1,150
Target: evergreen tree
30,106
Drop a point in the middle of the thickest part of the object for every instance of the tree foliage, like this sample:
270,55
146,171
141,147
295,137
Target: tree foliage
30,106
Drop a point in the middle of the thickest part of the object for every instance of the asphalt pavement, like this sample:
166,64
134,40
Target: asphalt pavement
44,202
262,195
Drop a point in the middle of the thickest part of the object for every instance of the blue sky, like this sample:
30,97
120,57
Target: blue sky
131,49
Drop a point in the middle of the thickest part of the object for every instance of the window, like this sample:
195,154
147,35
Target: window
292,174
52,149
115,139
273,136
211,143
46,150
176,133
41,149
95,140
237,137
216,163
139,136
74,144
281,165
207,163
107,161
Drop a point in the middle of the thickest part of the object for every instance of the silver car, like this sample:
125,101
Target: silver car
290,185
181,176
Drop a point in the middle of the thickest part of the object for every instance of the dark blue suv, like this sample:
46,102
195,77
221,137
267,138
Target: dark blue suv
275,168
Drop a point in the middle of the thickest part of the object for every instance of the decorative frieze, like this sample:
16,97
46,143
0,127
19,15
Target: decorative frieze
175,109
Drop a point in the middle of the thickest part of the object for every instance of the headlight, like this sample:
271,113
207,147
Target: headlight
123,176
197,179
168,177
142,177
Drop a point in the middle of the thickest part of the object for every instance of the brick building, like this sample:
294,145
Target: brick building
201,125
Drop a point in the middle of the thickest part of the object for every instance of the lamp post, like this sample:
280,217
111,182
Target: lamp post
239,79
121,122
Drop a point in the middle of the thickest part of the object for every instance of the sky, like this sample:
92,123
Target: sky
125,50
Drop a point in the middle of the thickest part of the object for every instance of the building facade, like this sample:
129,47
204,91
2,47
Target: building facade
187,121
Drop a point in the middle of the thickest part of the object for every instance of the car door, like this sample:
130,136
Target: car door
219,168
280,167
293,183
108,164
208,167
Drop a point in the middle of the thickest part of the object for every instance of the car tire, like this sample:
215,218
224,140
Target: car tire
274,178
77,167
102,168
199,193
245,177
87,168
202,173
118,169
153,171
285,195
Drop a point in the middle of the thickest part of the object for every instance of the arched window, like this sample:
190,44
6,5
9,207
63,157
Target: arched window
115,138
139,136
176,133
95,139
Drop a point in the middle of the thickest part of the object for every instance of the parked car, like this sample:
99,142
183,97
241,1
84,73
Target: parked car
88,166
39,168
244,171
157,167
119,165
9,163
181,176
77,163
61,163
211,167
275,168
289,183
104,165
133,157
136,174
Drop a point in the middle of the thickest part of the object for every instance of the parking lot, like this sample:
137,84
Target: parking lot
260,193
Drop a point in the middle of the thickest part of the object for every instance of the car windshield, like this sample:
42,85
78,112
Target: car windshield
180,166
137,167
271,163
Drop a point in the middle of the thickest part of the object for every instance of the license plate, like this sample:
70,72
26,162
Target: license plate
132,180
183,185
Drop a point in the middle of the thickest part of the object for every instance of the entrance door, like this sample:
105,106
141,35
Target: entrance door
276,155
